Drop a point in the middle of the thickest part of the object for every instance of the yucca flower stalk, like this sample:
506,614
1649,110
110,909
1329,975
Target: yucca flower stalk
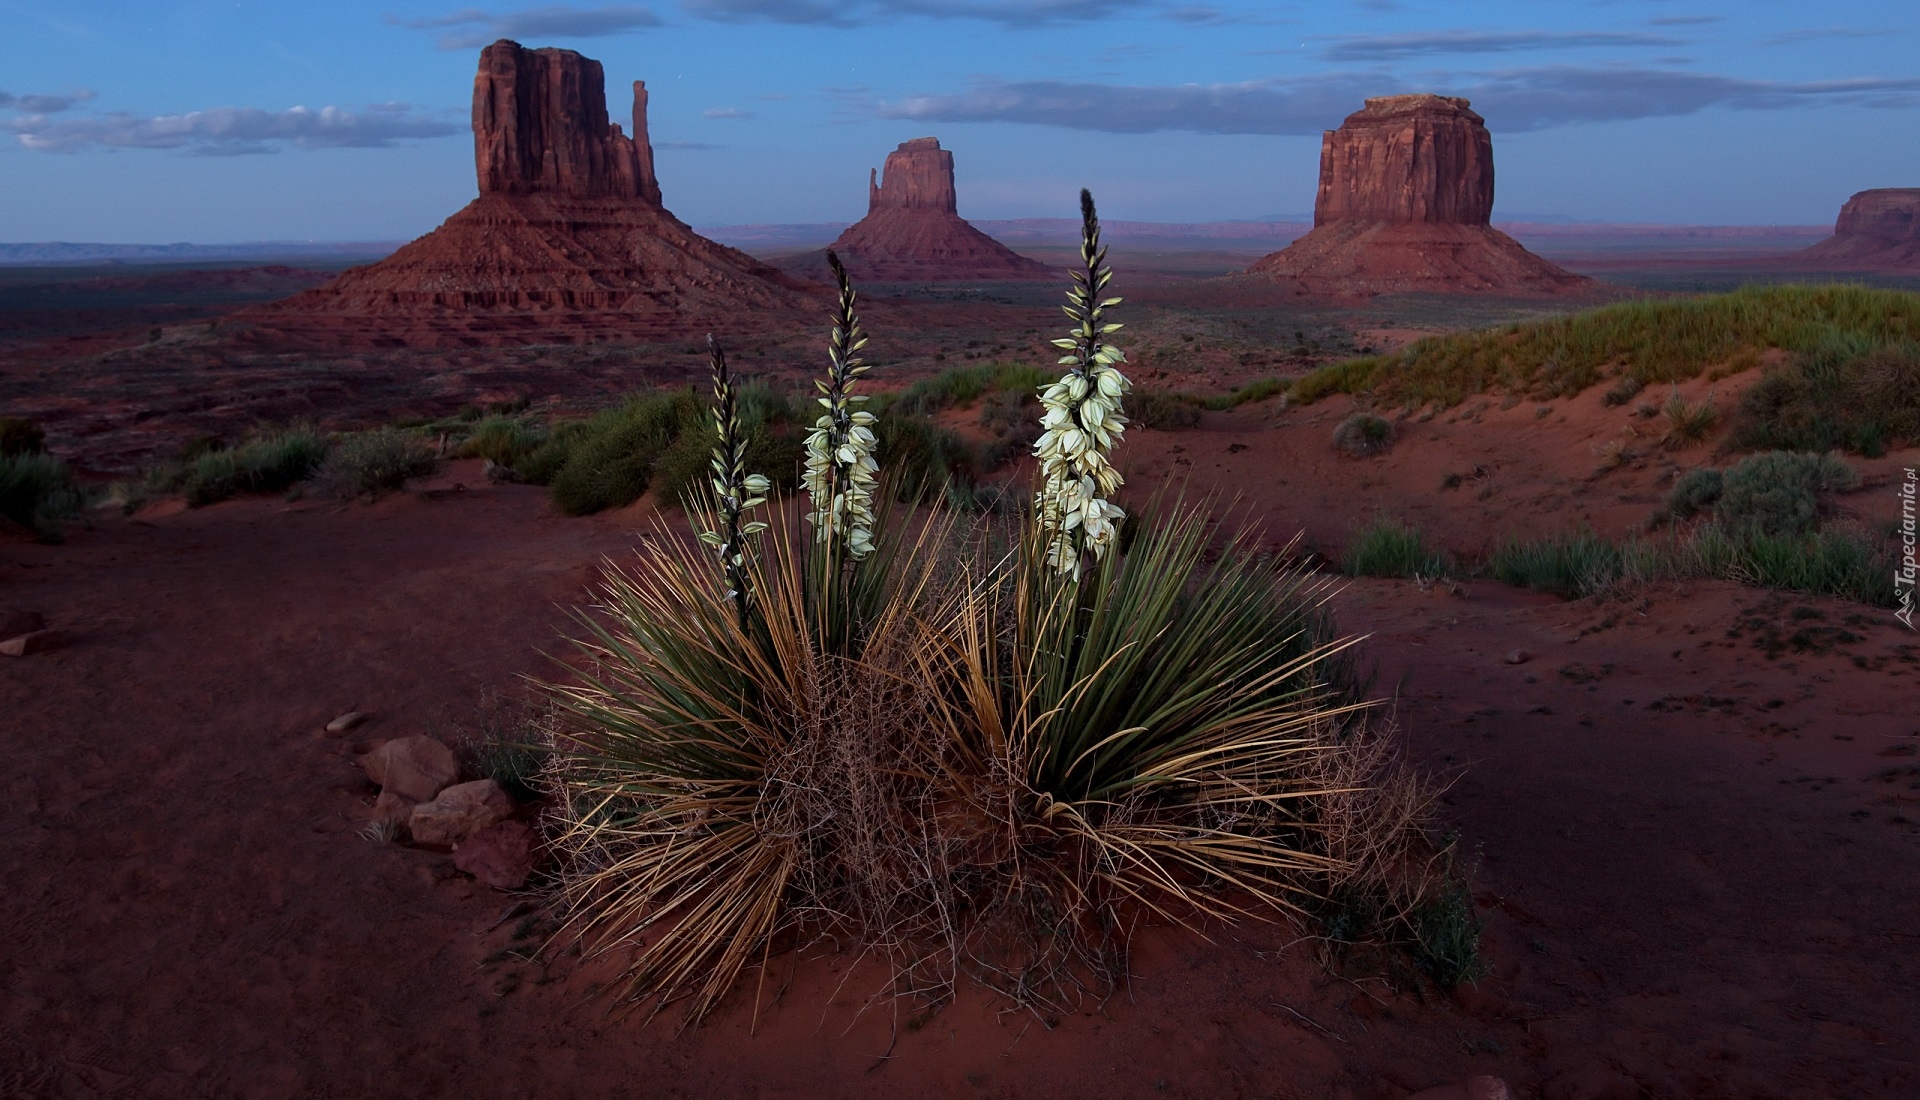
1083,419
735,491
841,473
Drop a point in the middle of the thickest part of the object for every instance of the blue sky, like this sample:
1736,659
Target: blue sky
219,121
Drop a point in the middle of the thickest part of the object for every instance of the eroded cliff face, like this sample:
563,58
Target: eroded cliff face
540,126
567,241
1407,158
913,231
1876,230
1405,204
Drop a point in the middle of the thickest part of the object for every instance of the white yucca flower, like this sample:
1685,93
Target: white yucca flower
841,473
735,492
1083,419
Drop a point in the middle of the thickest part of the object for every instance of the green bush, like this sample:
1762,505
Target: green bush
1694,492
372,463
1363,434
1390,548
265,464
37,491
1852,391
1778,493
1688,422
20,437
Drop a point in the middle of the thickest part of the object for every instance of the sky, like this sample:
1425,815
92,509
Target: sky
219,121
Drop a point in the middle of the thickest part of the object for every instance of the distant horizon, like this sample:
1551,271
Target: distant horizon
169,120
1303,219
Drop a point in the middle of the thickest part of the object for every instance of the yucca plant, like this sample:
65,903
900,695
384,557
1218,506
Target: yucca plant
976,750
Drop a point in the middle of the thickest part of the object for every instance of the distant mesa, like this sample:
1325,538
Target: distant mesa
913,231
567,242
1878,230
1405,204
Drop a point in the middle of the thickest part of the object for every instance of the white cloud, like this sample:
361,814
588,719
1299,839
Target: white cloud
229,131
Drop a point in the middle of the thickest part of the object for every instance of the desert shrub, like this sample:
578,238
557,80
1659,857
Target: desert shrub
37,491
271,463
19,436
923,456
608,462
1852,391
961,386
510,745
1447,937
1835,562
1669,340
1778,493
1694,492
369,464
1688,422
503,440
1362,434
1258,390
1162,410
970,751
1573,565
1621,392
1391,548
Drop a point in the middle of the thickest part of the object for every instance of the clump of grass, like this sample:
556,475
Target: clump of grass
503,440
1362,434
1447,937
1688,422
962,386
1621,392
510,745
1650,342
37,491
1391,548
19,436
1573,566
372,463
1258,390
1835,562
270,463
1161,410
1856,391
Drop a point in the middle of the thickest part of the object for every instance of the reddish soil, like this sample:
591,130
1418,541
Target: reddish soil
1691,810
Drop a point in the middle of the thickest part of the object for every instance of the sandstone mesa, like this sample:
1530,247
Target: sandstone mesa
1405,204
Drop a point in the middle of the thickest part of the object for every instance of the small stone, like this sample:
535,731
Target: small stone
392,808
1519,657
500,855
345,722
418,767
460,812
38,641
15,623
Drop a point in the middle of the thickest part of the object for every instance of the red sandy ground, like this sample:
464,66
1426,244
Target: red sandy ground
1694,859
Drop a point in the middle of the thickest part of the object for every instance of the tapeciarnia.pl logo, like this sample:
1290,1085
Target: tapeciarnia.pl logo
1903,577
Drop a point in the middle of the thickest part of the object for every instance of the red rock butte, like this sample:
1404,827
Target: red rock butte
567,242
1878,230
913,230
1405,204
